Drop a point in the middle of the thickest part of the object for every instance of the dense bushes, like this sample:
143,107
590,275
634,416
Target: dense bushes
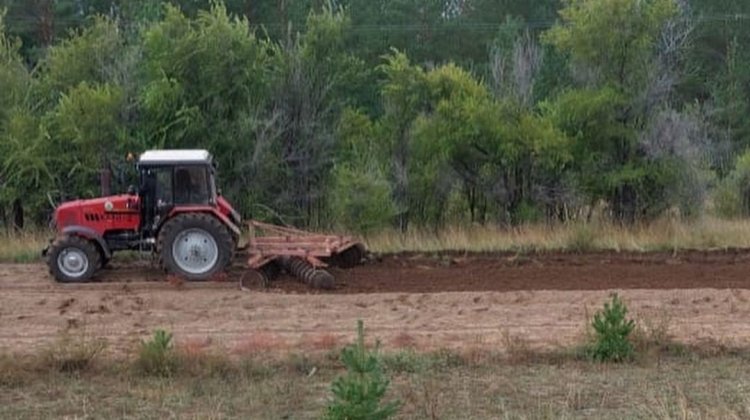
319,125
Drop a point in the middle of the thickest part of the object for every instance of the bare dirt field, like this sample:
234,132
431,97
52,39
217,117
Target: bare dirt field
451,301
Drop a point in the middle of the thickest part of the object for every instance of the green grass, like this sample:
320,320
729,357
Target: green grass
435,385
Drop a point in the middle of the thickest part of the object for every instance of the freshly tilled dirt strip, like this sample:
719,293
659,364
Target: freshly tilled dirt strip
452,272
599,271
452,301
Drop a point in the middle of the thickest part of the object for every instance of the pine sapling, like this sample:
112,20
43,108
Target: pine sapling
612,332
358,393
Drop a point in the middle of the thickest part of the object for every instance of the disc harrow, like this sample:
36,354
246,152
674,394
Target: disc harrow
303,255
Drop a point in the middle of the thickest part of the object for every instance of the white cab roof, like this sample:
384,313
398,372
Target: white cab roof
175,156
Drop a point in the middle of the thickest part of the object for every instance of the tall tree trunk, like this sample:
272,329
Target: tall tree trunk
46,17
625,203
281,7
3,217
401,189
18,219
105,178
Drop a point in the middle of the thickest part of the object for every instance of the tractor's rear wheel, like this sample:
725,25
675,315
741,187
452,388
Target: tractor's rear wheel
195,246
73,259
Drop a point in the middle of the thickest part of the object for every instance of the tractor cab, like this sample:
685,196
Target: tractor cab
174,179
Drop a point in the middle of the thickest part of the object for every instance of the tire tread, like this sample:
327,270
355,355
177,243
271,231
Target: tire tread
67,241
206,221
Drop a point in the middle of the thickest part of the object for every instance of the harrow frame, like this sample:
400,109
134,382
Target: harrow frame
280,241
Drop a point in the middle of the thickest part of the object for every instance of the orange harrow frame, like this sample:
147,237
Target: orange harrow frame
279,241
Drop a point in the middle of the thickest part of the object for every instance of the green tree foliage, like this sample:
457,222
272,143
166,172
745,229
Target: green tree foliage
202,73
361,196
23,168
486,143
207,81
361,199
438,31
614,38
404,96
27,171
86,125
157,356
613,43
311,84
447,133
717,26
730,100
467,111
89,55
14,77
358,394
732,197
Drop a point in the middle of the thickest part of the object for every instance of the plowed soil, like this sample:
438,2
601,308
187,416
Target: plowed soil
449,301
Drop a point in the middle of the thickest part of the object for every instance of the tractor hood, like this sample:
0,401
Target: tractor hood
68,214
86,212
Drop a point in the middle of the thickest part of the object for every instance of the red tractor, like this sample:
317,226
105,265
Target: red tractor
178,214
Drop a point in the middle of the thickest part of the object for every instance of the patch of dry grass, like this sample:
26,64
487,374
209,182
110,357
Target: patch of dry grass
708,233
432,385
72,353
663,235
23,247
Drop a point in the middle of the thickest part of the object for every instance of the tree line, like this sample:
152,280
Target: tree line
371,114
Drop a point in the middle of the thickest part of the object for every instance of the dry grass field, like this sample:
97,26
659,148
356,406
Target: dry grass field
472,323
664,384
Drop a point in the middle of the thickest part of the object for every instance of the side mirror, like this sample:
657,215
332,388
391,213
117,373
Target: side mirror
131,190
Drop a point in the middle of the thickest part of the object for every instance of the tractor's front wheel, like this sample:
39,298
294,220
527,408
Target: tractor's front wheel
195,246
73,259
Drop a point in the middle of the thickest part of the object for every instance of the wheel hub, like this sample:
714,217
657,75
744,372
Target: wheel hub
195,251
73,262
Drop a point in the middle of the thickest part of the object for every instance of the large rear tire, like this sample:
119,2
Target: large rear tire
195,246
73,259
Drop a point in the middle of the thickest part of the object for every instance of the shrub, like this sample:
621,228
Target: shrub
405,361
72,354
361,199
612,333
17,369
358,394
156,356
582,239
732,195
409,361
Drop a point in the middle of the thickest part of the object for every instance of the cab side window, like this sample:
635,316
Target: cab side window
191,185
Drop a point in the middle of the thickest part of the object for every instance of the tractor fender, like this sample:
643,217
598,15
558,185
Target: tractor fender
88,233
211,210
